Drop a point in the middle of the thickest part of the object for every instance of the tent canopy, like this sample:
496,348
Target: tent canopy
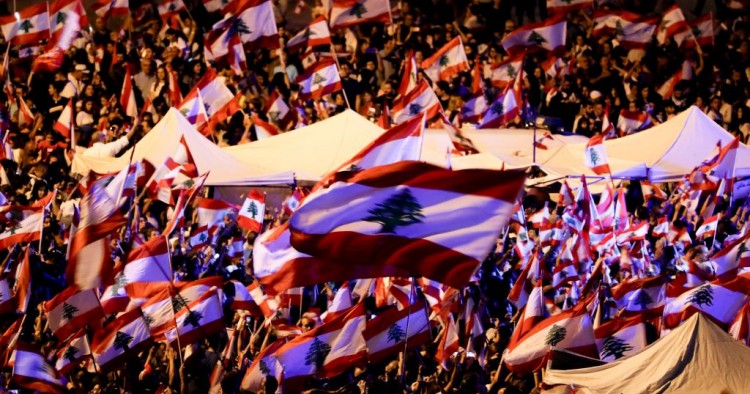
163,141
697,357
313,151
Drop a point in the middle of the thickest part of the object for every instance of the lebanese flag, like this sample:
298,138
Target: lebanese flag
595,157
564,272
633,31
385,335
719,301
315,34
168,8
158,311
149,263
473,109
194,109
621,337
459,140
605,209
106,8
8,303
265,364
218,100
409,76
732,257
502,111
71,310
278,111
702,30
724,164
242,300
708,228
67,18
89,260
570,330
27,230
65,122
662,228
672,22
430,198
448,344
420,99
630,122
268,306
634,233
250,215
352,12
652,191
124,337
326,350
637,296
292,202
201,318
22,287
503,74
320,79
254,20
401,142
539,218
29,28
447,62
684,73
567,6
72,353
264,129
32,372
211,212
127,96
678,235
548,35
533,312
25,116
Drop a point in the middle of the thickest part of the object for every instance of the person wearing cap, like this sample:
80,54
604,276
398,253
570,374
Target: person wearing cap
74,86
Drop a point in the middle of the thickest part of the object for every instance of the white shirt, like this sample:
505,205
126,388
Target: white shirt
101,150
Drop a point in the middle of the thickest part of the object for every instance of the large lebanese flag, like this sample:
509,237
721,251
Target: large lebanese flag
250,215
278,111
672,22
219,100
566,6
570,330
732,257
351,12
701,30
265,364
27,230
61,12
255,22
32,372
548,35
410,219
719,301
325,351
29,28
447,62
420,99
72,353
637,296
315,34
125,336
194,109
199,319
502,111
621,337
89,261
503,74
595,157
385,335
319,79
71,310
633,31
149,263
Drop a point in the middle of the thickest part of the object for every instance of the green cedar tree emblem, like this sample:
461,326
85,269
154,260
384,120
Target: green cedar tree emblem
401,209
704,295
536,38
263,367
642,299
122,341
414,109
26,25
69,311
555,335
358,10
317,353
178,302
70,353
615,347
193,318
594,157
252,209
395,333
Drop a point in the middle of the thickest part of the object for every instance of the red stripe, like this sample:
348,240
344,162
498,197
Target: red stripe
383,18
502,185
19,238
383,321
209,203
200,332
537,364
38,385
73,326
155,247
614,326
418,339
102,338
378,256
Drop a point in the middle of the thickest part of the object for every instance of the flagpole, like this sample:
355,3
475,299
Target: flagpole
406,338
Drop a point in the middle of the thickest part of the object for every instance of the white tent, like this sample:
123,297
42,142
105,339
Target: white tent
663,153
162,142
697,357
313,151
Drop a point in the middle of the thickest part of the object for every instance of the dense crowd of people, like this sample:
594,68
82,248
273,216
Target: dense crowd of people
594,79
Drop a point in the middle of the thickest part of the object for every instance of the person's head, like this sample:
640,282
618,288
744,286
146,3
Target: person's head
146,66
344,70
53,90
698,253
161,74
510,25
306,324
442,88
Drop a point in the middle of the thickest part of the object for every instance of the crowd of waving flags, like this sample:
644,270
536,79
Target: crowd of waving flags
406,224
